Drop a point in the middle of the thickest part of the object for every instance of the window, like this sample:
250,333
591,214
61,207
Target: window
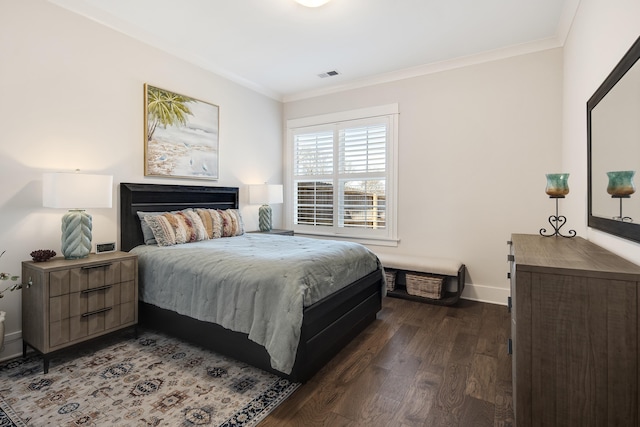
341,174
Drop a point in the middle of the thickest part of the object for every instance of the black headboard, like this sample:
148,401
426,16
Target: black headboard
161,198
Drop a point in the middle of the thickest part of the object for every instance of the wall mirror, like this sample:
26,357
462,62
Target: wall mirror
613,137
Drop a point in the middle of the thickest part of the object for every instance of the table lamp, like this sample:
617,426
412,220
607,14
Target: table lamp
265,194
76,192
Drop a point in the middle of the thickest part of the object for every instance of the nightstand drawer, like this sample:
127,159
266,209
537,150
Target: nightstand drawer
93,276
94,322
77,328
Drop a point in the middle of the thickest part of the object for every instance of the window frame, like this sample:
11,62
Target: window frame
386,237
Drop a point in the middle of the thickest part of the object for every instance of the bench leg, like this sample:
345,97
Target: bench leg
461,279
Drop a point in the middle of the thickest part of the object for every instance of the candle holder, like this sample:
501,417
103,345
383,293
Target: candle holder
557,188
620,187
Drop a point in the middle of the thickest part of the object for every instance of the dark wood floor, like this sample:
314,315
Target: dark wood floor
416,365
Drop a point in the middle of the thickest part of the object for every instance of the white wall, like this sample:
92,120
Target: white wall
72,97
475,144
602,32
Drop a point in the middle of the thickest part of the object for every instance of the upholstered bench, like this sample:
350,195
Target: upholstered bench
424,278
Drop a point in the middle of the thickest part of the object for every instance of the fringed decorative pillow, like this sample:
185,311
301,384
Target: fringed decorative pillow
232,224
149,238
227,224
162,229
212,222
194,226
176,228
236,219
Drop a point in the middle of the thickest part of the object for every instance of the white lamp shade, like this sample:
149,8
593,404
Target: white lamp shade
265,194
76,190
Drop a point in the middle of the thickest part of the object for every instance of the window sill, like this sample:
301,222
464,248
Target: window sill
361,240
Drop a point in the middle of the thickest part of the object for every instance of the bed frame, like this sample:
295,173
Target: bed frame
328,325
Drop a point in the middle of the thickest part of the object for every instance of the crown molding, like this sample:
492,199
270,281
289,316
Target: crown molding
436,67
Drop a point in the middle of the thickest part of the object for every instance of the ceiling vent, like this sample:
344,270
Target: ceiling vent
328,74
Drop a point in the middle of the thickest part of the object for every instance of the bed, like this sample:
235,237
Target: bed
327,324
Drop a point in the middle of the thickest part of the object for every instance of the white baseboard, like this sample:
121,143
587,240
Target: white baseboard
12,346
483,293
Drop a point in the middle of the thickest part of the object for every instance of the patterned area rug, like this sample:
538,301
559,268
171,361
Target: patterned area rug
8,417
153,380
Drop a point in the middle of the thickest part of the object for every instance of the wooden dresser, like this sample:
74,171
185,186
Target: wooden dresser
68,302
575,334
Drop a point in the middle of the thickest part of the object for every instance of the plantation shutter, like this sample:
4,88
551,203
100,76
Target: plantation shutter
313,169
362,168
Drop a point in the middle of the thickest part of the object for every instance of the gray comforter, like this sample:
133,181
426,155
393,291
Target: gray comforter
255,284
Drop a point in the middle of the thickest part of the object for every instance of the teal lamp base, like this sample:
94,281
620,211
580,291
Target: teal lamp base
264,218
76,234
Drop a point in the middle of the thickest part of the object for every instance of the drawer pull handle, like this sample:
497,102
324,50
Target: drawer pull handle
101,288
89,267
91,313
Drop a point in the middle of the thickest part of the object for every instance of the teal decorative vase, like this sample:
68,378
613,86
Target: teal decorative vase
76,234
621,183
557,184
264,218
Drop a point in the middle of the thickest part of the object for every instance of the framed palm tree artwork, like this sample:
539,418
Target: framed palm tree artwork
181,136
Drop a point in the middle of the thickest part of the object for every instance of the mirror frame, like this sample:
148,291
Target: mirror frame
622,229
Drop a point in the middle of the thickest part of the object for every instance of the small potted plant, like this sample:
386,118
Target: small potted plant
6,277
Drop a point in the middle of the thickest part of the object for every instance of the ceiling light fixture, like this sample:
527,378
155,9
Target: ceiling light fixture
312,3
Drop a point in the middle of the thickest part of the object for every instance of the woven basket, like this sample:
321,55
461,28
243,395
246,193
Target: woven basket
390,275
424,285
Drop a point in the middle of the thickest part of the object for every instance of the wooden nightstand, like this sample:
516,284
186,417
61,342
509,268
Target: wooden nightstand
67,302
275,231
